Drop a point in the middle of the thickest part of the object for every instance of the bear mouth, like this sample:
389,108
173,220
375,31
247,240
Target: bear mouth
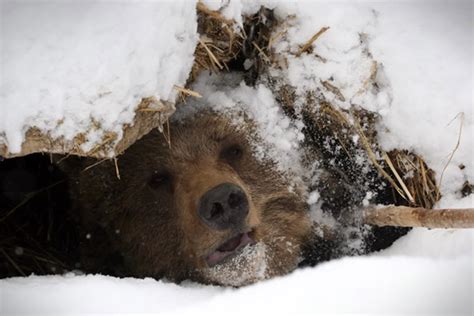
229,248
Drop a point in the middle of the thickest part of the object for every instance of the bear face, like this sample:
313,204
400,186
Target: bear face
202,208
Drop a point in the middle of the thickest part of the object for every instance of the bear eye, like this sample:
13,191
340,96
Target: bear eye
159,179
232,152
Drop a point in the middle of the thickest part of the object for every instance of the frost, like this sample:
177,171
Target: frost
279,137
313,197
368,196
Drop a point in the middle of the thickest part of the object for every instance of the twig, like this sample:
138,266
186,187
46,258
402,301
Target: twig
461,115
94,164
373,158
28,197
261,52
107,140
117,171
397,176
334,90
12,262
312,40
188,91
371,78
168,134
274,38
211,55
62,159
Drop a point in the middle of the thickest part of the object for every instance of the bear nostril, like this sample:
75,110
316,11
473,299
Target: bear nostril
216,211
235,200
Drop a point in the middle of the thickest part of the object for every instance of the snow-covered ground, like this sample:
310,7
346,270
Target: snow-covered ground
426,50
426,272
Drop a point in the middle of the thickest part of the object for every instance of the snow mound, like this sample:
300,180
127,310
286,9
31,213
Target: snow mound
75,73
438,281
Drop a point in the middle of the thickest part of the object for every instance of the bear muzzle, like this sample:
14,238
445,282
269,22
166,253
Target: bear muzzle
229,248
224,207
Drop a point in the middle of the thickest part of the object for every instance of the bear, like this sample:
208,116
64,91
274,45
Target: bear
201,208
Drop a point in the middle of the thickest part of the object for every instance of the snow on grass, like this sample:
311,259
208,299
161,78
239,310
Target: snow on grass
424,78
340,57
71,67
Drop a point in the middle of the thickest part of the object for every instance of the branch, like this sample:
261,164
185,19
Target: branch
403,216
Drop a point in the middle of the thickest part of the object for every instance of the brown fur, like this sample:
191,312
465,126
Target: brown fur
148,220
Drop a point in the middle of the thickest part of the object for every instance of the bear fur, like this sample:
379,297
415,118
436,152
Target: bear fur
145,224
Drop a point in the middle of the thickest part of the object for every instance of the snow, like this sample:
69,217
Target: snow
343,52
102,294
425,79
420,274
431,82
70,68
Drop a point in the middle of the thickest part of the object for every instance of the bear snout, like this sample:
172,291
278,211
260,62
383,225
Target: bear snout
224,207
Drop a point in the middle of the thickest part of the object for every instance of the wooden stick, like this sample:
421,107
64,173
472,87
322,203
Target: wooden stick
403,216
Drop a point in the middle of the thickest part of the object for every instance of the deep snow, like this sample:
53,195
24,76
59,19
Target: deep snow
425,272
73,67
426,52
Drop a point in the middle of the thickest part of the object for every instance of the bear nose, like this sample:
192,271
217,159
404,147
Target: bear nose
224,206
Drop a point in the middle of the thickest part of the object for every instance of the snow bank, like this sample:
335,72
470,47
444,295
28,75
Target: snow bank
420,274
77,71
427,53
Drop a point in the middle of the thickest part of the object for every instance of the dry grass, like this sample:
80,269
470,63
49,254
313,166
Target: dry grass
34,234
30,257
416,178
219,41
188,92
224,45
405,171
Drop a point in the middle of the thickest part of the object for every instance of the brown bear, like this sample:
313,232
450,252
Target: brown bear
204,208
